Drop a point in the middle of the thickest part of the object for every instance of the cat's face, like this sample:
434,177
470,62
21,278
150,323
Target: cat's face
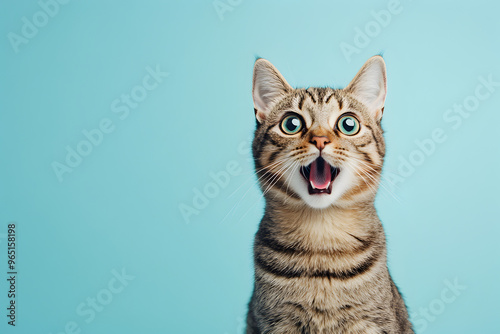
319,146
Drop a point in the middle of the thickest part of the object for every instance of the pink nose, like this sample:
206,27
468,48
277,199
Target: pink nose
320,141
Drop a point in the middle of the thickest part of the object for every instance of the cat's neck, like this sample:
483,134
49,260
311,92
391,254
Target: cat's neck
337,228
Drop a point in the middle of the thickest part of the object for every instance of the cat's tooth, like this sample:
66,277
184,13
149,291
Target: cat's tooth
312,185
328,185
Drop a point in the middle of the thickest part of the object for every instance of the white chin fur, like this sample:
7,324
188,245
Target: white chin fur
321,201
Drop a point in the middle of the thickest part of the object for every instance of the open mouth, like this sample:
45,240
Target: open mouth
320,176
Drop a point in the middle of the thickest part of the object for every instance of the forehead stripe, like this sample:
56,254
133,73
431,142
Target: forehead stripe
311,96
301,102
329,97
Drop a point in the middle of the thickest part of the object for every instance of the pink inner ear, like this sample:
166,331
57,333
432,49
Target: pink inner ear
370,85
258,102
380,100
260,116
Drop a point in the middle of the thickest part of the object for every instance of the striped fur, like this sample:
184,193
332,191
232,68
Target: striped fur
320,260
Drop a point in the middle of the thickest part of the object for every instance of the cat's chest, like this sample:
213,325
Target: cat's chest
324,295
327,305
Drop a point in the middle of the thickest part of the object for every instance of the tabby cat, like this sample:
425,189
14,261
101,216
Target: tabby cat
320,250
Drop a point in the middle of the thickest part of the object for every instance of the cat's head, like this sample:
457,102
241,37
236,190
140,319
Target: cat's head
319,146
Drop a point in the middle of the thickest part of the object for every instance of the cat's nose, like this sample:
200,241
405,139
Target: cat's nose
320,141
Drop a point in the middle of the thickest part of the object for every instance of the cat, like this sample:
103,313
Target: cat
320,250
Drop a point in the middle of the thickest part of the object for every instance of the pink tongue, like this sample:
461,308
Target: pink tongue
321,174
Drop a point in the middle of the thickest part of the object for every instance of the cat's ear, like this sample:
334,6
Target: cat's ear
268,86
370,85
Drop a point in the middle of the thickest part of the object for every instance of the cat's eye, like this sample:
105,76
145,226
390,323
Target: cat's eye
291,125
348,125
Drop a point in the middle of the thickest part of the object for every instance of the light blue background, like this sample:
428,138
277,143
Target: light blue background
120,207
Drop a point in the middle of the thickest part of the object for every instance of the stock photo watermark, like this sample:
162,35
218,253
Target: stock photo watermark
32,25
95,304
12,272
121,107
454,116
426,315
218,181
223,6
364,35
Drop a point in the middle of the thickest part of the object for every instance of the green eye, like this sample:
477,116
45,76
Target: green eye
291,125
348,125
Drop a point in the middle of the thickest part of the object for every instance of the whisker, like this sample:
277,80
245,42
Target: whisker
276,177
270,167
274,180
356,170
384,179
291,168
374,180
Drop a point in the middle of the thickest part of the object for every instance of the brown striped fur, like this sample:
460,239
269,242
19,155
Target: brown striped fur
320,260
